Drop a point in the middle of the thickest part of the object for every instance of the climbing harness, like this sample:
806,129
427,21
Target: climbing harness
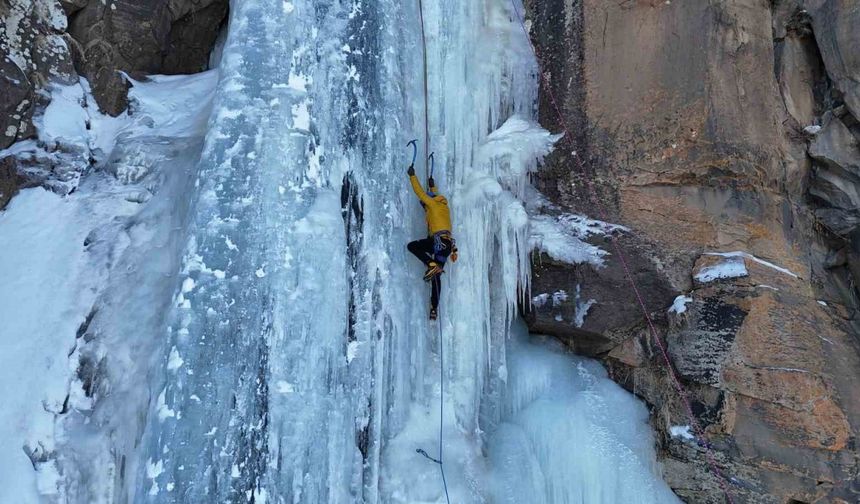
414,145
598,205
439,245
441,417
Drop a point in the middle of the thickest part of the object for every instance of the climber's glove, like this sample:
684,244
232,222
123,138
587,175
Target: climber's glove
411,170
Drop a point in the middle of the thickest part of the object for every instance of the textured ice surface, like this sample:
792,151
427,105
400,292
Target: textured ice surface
287,356
569,434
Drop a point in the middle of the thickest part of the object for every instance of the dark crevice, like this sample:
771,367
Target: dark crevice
352,211
89,373
798,27
192,38
84,327
362,440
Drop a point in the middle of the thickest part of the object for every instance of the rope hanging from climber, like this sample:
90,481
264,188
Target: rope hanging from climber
434,250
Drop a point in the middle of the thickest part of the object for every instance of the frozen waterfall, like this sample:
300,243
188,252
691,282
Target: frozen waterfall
295,363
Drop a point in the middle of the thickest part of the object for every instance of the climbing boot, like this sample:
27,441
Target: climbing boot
433,313
433,269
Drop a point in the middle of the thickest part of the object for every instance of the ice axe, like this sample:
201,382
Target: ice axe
414,144
432,163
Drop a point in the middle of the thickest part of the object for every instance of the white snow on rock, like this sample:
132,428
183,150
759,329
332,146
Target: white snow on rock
812,129
158,106
562,239
730,267
562,235
540,299
681,431
747,255
679,305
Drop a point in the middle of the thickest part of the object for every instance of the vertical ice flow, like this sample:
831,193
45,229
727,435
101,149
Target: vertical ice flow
300,366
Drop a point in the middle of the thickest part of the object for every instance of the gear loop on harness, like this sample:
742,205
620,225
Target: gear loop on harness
440,245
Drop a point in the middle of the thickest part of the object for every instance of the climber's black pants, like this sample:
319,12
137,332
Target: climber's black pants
424,250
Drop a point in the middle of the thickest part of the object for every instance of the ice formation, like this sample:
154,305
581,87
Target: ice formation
295,362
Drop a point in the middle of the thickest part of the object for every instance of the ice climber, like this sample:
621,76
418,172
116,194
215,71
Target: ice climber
434,250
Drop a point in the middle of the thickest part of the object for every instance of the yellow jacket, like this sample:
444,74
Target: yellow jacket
436,207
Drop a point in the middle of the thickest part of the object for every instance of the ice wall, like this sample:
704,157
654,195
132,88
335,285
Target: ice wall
569,433
300,366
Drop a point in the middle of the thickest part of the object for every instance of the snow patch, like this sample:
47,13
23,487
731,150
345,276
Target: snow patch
540,300
730,267
562,235
549,235
746,255
680,304
681,431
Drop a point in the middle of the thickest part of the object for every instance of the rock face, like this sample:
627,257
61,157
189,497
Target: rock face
8,180
728,126
142,37
33,51
48,42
